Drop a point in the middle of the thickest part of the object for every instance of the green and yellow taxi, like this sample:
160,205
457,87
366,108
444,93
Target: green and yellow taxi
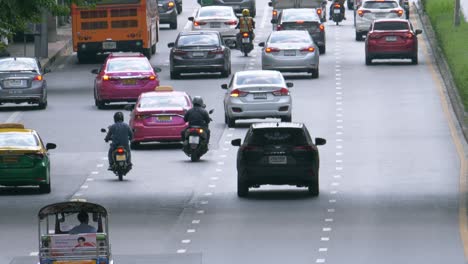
24,158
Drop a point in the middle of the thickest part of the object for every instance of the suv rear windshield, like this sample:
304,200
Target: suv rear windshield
391,26
380,4
277,136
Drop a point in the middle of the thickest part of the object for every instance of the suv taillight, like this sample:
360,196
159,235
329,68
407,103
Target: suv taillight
304,148
250,148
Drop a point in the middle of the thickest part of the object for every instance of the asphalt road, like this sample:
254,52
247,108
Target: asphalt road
389,173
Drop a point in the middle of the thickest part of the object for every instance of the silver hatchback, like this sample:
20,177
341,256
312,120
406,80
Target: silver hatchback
290,51
257,94
22,81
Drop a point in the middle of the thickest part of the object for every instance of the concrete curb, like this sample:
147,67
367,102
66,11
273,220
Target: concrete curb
65,50
444,70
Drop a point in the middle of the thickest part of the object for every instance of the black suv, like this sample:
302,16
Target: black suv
279,154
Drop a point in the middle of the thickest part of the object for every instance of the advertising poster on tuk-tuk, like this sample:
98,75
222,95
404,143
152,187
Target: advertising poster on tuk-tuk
73,244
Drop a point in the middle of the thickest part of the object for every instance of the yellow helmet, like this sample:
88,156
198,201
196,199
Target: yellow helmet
245,12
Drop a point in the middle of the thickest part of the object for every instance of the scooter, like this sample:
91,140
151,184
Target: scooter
246,45
121,165
195,142
337,16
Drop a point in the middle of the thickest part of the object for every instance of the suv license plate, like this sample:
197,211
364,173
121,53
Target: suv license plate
194,139
120,158
277,160
109,45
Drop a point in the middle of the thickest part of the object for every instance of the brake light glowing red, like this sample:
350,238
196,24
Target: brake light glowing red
399,12
275,13
196,130
409,35
319,11
120,150
308,49
279,27
170,4
38,78
178,52
281,92
217,51
337,5
238,93
231,23
270,50
105,78
362,12
152,77
199,23
245,35
322,27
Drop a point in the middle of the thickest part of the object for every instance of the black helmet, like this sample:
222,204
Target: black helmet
118,117
198,101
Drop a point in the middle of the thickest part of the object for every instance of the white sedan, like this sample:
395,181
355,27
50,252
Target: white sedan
217,18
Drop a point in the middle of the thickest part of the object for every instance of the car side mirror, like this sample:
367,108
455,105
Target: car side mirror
289,84
129,107
103,130
95,71
274,21
236,142
211,111
170,44
46,70
191,18
51,146
270,4
418,31
261,44
224,86
157,69
320,141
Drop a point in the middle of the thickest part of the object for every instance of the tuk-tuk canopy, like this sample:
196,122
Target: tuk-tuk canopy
71,207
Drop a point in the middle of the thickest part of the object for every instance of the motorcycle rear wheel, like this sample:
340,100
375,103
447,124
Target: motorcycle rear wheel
194,157
120,175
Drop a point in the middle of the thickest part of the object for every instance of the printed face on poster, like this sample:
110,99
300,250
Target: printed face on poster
66,244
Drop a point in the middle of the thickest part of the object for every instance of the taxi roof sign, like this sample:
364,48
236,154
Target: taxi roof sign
164,88
12,125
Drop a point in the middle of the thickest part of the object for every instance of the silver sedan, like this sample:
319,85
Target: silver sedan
257,94
290,51
217,18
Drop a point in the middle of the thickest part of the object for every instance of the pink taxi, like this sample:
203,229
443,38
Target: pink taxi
159,116
123,77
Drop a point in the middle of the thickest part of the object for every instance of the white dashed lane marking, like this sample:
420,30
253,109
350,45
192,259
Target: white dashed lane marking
181,251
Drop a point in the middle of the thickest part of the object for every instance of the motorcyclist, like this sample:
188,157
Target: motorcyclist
342,8
246,25
120,133
198,116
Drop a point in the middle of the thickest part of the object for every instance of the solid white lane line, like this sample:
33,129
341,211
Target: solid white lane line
185,241
13,118
34,253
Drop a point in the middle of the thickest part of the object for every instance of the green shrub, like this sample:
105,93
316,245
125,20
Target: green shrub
453,41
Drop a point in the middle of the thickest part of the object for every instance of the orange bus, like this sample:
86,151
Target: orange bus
115,25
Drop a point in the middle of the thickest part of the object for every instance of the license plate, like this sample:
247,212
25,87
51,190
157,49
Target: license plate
215,25
336,11
15,92
260,96
120,158
198,54
289,53
16,83
194,139
109,45
277,160
164,118
390,38
129,82
245,40
74,261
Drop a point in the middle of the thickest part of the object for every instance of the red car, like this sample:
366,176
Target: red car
159,116
123,77
392,38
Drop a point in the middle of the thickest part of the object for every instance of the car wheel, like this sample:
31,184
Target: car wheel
242,187
314,188
44,188
82,57
358,36
286,118
153,49
99,104
225,72
368,60
315,73
179,8
230,122
414,59
175,75
173,25
42,104
134,145
322,49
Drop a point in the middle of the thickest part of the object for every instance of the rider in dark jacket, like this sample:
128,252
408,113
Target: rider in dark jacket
120,133
198,116
342,8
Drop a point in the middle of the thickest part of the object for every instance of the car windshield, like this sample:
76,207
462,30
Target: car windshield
168,101
24,64
128,65
18,140
273,78
289,38
380,4
215,12
198,40
277,136
391,26
299,16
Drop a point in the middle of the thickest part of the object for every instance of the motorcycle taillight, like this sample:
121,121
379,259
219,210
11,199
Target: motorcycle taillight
120,151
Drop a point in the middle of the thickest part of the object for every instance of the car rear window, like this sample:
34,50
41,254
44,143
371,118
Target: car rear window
18,140
380,4
275,79
391,26
277,136
24,64
163,102
290,38
299,16
215,12
128,65
198,40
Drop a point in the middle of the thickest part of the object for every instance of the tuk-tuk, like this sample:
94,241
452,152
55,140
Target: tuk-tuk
57,245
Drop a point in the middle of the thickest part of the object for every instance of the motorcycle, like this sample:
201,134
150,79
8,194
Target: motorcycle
195,142
121,165
337,15
246,45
